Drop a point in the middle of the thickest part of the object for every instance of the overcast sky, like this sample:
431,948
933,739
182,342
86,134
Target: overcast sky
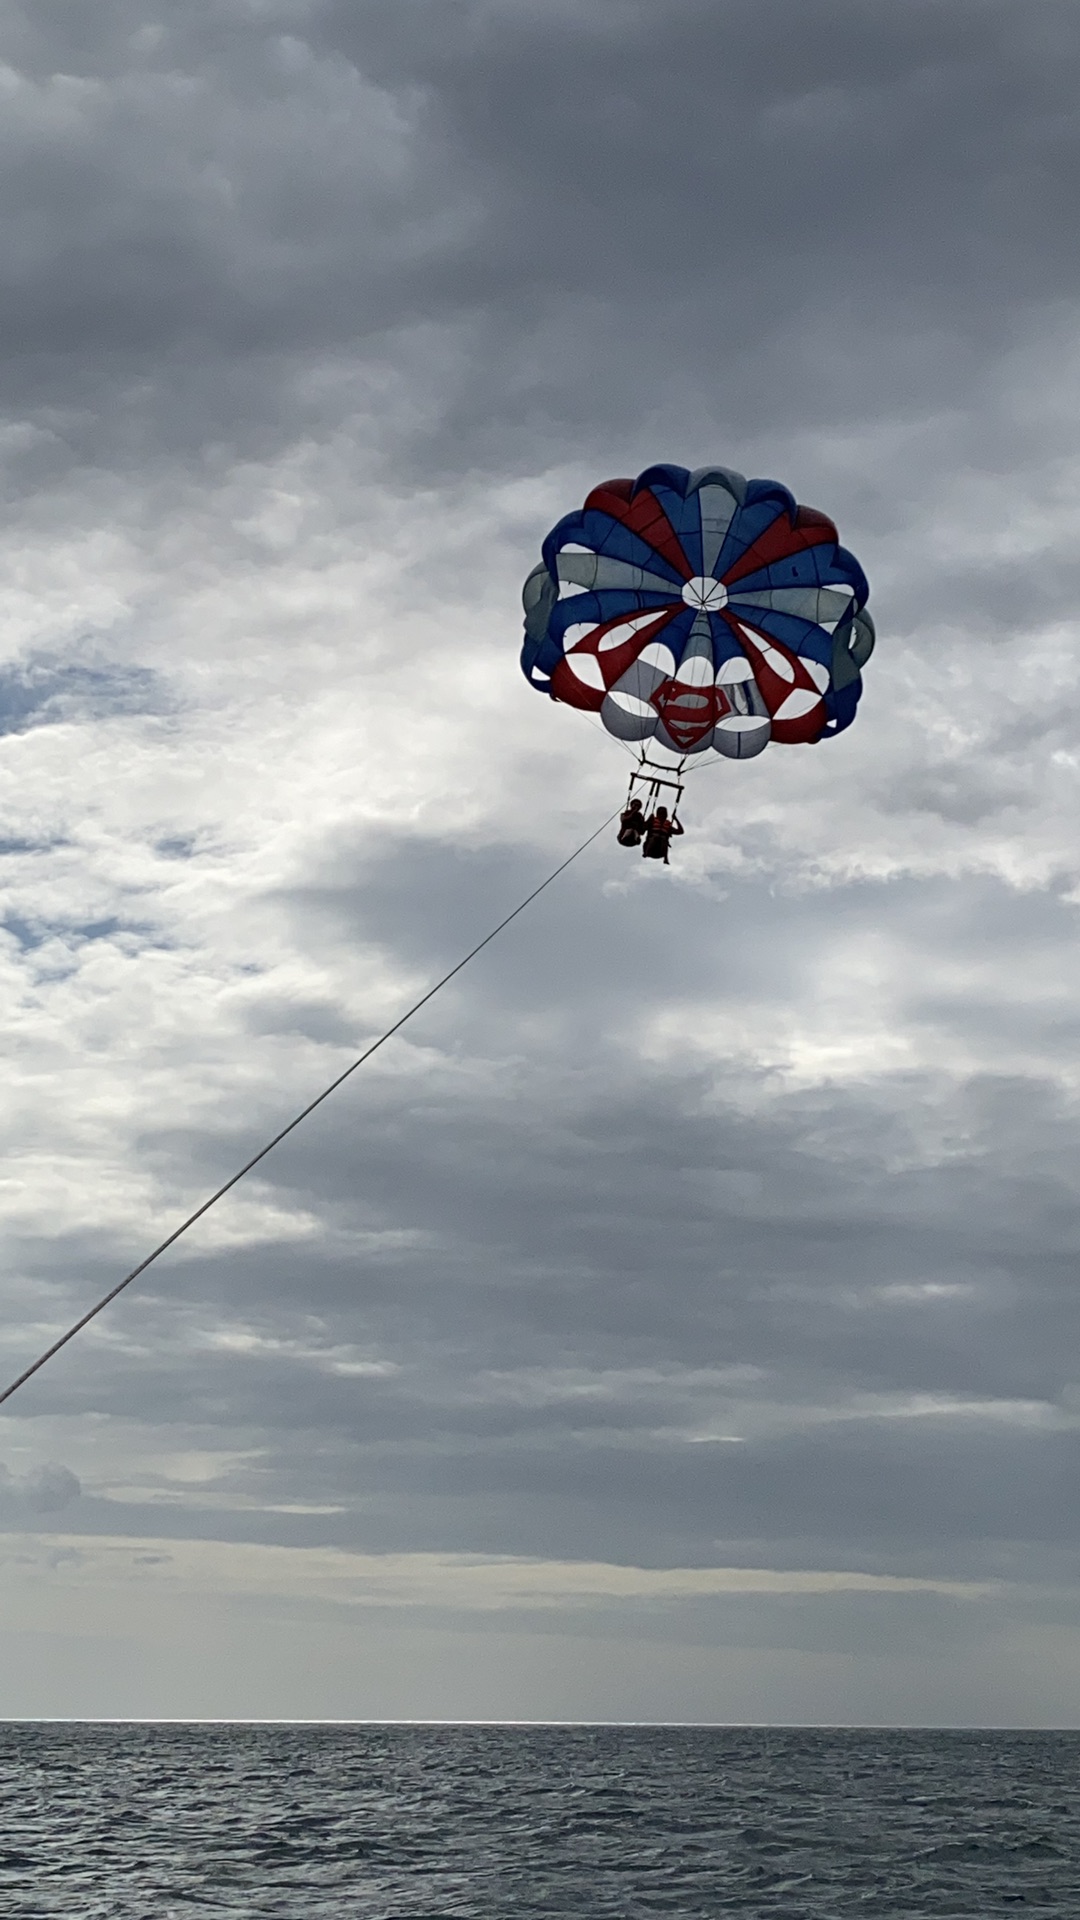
680,1321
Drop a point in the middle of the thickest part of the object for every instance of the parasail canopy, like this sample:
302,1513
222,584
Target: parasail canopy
699,611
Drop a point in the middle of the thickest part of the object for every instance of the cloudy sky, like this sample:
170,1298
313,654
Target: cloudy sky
680,1320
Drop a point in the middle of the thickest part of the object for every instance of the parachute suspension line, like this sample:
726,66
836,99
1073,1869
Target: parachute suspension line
106,1298
598,727
654,776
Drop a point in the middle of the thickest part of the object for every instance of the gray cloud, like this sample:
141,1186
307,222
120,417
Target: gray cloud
41,1490
678,205
573,1305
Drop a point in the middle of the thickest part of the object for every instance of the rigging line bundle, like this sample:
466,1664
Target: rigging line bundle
106,1298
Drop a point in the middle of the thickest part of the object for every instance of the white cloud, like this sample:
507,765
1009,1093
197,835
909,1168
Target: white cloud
75,1577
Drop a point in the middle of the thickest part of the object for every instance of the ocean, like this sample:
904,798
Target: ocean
167,1822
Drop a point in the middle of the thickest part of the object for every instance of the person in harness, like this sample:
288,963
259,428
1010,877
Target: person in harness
631,825
660,829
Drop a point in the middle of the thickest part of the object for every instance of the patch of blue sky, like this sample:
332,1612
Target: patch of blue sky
29,934
45,691
175,846
34,933
12,844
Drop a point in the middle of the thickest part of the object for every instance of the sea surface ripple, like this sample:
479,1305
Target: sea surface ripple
167,1822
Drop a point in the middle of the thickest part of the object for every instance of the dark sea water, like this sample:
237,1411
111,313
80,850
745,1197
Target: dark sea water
156,1822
